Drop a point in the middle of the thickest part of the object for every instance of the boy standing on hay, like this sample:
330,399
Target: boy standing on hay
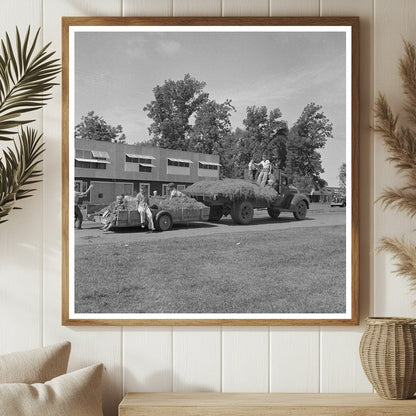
266,168
143,208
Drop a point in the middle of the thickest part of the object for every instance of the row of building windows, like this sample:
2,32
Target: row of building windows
92,154
130,159
181,163
89,165
102,189
94,159
209,166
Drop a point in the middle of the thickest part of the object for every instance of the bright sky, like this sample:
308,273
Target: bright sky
116,72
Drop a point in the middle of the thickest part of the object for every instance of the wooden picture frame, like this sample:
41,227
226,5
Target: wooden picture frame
79,75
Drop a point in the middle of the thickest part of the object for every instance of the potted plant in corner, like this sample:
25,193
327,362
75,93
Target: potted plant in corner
26,77
388,345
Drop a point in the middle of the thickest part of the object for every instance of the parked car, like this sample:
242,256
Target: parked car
338,201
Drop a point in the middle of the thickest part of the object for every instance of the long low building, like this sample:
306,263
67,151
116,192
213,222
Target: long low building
118,168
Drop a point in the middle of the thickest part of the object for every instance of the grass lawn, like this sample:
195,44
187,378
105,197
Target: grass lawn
288,271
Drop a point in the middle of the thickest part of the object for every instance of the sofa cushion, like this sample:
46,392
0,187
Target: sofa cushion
73,394
35,366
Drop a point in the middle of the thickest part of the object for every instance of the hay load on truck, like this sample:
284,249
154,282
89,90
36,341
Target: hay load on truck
238,198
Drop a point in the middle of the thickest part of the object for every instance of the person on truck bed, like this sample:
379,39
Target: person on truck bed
266,167
144,210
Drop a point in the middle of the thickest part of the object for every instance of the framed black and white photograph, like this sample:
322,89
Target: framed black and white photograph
210,171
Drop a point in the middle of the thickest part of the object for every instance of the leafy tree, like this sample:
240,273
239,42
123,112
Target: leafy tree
265,133
175,102
94,127
229,157
308,134
277,131
306,184
212,125
343,177
253,140
233,155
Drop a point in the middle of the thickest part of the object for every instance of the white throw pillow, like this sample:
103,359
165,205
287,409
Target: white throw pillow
35,366
73,394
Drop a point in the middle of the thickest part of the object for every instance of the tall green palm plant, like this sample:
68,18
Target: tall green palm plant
26,78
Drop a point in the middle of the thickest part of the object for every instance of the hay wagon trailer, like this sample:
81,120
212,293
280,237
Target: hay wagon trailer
163,219
241,208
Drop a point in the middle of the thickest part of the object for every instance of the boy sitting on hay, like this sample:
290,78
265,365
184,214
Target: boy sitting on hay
110,217
173,192
144,209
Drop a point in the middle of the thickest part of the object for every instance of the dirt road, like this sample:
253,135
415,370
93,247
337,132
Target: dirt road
319,215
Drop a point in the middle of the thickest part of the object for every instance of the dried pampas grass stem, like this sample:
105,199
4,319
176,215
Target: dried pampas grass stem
401,143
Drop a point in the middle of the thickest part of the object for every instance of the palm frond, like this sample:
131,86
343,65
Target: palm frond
404,254
19,170
25,79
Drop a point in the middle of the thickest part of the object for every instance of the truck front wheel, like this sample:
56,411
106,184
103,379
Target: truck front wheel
300,210
242,212
215,213
273,213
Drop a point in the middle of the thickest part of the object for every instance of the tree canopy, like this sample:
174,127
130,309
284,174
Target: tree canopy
343,177
212,125
308,134
265,132
94,127
175,102
185,118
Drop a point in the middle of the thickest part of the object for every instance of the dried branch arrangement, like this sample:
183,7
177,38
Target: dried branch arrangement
26,77
401,143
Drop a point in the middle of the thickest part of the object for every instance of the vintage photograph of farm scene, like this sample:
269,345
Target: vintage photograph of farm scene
210,172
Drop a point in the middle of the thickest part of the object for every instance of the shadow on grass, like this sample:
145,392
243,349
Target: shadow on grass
266,220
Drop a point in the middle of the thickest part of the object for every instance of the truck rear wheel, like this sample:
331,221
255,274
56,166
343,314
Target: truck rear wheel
300,210
215,213
242,212
163,221
273,212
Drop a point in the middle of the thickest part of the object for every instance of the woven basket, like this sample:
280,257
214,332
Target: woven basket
388,356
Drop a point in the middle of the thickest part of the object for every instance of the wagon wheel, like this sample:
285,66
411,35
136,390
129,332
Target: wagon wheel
242,212
274,213
163,221
215,213
300,210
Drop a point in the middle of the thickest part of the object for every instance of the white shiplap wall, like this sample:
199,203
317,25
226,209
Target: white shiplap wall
305,359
